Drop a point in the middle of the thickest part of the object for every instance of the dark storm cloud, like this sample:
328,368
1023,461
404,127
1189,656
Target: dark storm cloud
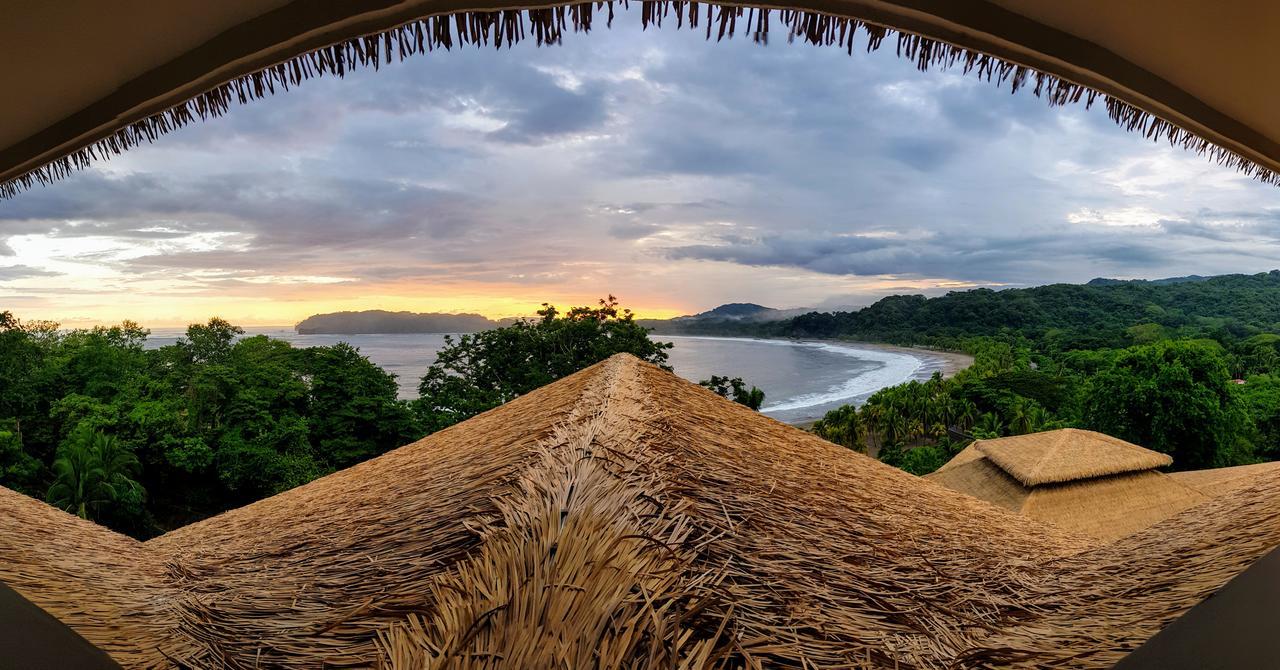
1018,260
278,208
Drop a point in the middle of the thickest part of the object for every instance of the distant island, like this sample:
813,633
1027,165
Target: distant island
377,321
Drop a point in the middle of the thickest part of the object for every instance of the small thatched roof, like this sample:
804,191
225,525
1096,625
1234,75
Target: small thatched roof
1078,480
1111,507
1067,454
94,79
623,517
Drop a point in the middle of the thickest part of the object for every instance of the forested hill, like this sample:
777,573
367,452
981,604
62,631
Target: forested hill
1068,315
380,321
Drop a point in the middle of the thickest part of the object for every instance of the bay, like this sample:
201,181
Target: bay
802,380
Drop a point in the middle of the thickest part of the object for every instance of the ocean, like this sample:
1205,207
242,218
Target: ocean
801,380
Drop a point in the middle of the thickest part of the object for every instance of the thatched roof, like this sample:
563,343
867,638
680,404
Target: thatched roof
1067,454
31,638
1218,481
1079,480
93,79
1233,629
626,518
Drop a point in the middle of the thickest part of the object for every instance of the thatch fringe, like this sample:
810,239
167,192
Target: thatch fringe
547,26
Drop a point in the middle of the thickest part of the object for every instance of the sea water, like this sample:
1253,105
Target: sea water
802,380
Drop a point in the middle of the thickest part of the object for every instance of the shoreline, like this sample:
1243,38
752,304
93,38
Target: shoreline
952,362
923,363
949,362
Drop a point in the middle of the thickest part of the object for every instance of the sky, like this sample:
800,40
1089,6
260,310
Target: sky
675,173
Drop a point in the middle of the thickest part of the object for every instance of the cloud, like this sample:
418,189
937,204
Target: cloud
12,272
649,162
556,113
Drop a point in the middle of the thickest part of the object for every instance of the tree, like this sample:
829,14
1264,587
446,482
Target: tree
92,473
735,389
1174,397
353,405
18,469
988,426
842,426
965,412
1261,395
210,343
924,459
480,371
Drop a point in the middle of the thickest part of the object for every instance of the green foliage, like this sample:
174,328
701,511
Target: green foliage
1257,355
988,426
480,371
1260,396
1061,317
209,423
1145,333
1174,397
18,469
736,390
354,411
924,459
93,473
843,426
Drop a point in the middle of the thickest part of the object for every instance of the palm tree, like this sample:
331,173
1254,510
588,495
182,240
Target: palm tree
895,427
915,430
946,414
871,423
1019,420
966,414
989,425
841,426
1039,418
92,470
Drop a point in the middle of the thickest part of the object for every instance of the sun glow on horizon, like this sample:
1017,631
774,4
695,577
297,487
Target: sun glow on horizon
171,312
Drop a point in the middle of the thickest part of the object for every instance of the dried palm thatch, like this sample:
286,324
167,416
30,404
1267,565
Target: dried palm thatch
1111,507
624,518
984,480
1066,455
1078,480
1219,481
547,24
107,587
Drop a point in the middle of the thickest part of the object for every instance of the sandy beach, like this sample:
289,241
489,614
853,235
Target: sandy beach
950,362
